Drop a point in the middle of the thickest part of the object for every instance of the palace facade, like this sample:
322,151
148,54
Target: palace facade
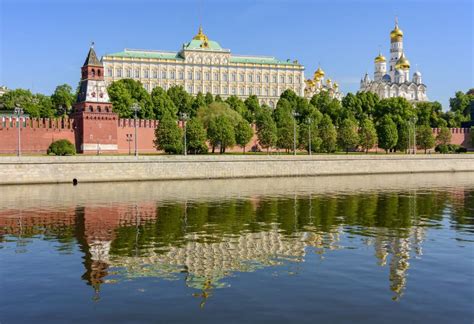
395,82
202,65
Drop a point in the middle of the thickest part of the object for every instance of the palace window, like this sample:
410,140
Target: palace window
226,90
147,87
241,91
110,72
146,74
282,78
258,91
216,76
250,78
216,91
266,92
155,74
274,92
224,76
181,75
297,79
208,76
172,75
234,77
163,75
266,78
190,88
118,72
241,78
274,79
250,91
129,73
290,79
234,91
258,78
198,75
137,73
190,75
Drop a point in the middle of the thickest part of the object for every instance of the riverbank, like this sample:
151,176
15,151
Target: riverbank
37,170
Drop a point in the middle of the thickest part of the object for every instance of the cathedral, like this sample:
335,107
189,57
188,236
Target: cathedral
395,82
318,84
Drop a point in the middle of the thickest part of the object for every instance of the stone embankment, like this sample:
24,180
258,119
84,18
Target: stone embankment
36,170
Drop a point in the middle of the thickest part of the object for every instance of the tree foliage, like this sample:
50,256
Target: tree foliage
367,134
444,136
61,147
196,137
266,129
168,135
162,103
328,134
387,133
243,133
62,99
124,93
424,138
220,132
347,134
182,100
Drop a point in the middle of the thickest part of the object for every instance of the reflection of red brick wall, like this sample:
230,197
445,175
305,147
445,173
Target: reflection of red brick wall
36,134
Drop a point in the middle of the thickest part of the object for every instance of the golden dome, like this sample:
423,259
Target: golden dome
396,34
402,63
201,36
335,85
380,58
319,73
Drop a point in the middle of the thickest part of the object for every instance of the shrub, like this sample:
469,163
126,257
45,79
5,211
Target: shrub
61,147
450,148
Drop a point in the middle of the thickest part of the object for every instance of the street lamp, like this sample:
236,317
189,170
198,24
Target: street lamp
309,134
18,112
184,117
129,139
414,119
295,114
136,108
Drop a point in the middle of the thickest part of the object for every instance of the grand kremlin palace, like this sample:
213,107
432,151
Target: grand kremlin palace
202,65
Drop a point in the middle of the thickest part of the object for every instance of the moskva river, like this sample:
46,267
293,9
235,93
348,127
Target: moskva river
372,249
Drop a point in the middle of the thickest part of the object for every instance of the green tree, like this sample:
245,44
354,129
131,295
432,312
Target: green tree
387,133
347,135
236,104
397,108
429,113
207,113
220,132
208,98
45,105
305,134
168,135
196,137
61,147
253,106
327,105
424,137
218,98
286,134
461,103
243,133
404,134
198,102
328,134
21,98
62,99
182,100
444,136
162,103
266,129
123,93
367,134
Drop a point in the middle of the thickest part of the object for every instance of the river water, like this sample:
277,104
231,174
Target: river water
374,249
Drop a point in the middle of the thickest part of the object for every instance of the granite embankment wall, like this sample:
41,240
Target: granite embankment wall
29,170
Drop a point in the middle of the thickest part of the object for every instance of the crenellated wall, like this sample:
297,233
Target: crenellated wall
38,133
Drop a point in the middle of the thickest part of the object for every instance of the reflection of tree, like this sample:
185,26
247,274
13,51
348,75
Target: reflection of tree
208,241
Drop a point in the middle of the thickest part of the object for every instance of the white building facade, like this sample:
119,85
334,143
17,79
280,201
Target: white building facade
202,65
396,81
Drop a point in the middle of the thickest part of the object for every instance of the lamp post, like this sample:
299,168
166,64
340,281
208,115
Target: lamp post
295,114
309,134
136,108
414,119
129,139
18,112
184,118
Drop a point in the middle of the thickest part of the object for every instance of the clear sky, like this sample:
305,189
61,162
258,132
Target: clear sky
43,43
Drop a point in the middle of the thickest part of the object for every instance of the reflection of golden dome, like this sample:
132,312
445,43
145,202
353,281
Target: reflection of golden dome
319,73
396,34
402,63
380,58
201,36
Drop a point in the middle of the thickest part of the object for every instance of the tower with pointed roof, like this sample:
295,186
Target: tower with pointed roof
96,123
396,81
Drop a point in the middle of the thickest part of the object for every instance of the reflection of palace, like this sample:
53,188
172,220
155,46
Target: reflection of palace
208,242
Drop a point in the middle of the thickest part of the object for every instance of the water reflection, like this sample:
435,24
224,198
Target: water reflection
205,240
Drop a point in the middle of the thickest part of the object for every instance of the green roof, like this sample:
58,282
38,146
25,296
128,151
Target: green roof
260,60
147,54
196,44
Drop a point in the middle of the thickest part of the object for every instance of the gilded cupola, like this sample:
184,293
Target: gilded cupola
380,58
396,34
402,63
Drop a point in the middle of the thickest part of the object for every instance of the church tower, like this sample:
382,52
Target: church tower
396,48
96,124
380,68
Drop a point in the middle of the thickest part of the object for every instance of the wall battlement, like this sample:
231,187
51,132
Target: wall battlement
43,123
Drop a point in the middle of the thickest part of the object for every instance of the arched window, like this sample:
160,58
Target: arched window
93,72
91,109
98,109
98,72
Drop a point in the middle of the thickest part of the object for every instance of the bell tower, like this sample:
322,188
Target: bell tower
96,124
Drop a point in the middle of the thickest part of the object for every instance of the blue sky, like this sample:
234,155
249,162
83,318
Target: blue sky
43,43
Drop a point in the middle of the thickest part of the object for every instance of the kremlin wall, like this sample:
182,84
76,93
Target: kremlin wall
38,133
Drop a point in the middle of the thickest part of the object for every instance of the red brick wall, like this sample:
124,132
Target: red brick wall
36,135
145,134
459,136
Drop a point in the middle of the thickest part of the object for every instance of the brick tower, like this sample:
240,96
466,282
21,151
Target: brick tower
96,124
